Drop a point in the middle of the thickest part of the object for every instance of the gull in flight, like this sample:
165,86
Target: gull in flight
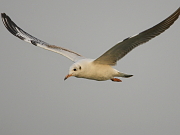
99,69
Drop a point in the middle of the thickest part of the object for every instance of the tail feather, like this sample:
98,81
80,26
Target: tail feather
124,75
127,76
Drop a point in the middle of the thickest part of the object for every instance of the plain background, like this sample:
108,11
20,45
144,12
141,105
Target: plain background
34,98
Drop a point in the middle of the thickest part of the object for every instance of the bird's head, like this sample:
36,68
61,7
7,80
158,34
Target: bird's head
74,70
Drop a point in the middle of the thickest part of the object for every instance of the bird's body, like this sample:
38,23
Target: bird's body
99,69
87,68
93,71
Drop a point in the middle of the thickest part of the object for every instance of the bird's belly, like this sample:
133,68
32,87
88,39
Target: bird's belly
98,77
99,73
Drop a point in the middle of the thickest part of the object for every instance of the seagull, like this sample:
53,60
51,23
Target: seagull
99,69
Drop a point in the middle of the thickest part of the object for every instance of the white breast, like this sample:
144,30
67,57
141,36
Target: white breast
94,71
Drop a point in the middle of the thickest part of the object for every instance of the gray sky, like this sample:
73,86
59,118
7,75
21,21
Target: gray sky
34,98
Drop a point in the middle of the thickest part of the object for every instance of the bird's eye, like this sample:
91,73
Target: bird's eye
75,69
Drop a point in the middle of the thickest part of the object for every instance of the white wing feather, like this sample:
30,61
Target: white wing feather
18,32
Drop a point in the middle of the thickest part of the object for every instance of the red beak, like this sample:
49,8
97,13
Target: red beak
67,76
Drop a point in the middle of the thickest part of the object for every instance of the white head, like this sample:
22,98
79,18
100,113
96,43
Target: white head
74,70
80,69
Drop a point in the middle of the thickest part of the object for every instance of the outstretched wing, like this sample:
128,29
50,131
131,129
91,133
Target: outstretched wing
121,49
18,32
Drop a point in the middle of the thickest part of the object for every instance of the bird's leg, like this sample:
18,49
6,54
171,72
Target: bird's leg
116,80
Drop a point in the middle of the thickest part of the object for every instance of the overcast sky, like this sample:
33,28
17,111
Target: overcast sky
34,98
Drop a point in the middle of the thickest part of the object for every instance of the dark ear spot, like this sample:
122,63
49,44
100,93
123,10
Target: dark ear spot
80,67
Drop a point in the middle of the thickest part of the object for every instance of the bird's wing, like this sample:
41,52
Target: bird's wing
18,32
121,49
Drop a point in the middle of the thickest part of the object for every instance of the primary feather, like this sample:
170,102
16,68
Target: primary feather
121,49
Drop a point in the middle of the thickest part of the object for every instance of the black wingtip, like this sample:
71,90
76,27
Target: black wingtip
9,24
3,14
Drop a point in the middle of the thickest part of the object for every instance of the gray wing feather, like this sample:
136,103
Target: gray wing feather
121,49
18,32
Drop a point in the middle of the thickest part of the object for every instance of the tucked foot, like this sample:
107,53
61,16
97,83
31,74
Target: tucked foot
116,80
